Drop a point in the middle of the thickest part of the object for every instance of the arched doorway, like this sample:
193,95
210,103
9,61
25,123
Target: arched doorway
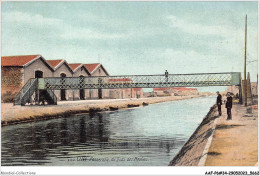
63,91
99,89
81,91
39,95
99,93
38,74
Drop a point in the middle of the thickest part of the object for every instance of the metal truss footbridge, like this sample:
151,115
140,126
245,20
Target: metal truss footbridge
35,85
142,81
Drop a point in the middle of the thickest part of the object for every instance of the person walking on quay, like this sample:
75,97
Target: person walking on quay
219,103
166,75
229,106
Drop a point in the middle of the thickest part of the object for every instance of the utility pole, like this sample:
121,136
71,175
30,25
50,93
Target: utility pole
245,80
232,85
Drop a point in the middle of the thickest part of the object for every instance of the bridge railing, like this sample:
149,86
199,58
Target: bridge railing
24,94
143,81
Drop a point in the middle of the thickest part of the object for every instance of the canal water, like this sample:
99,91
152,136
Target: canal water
143,136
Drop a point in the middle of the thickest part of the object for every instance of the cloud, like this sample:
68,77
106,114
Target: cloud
17,17
223,40
128,45
57,27
81,33
199,29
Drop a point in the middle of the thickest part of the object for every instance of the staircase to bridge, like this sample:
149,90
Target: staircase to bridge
42,88
31,88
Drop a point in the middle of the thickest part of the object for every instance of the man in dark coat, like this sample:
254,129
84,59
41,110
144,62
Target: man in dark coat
229,106
166,76
219,103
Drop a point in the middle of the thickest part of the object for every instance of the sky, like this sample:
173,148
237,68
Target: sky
135,37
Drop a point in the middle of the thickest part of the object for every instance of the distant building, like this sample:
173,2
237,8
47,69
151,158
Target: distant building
149,94
124,92
164,91
254,88
138,93
234,89
17,70
183,91
175,91
97,69
211,93
120,93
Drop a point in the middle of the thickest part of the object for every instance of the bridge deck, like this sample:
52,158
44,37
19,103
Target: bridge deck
142,81
46,85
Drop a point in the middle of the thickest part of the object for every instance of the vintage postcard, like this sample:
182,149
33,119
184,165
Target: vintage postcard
92,83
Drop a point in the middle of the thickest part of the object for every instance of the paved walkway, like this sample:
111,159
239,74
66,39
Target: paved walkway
235,142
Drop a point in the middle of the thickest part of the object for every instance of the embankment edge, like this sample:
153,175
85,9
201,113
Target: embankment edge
194,151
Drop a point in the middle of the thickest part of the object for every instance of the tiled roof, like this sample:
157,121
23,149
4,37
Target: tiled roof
183,88
17,60
55,63
91,67
161,89
74,66
137,89
174,88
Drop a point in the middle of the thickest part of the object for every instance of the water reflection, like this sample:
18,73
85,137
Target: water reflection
82,130
154,132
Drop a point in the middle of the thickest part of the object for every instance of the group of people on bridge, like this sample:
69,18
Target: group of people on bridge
228,104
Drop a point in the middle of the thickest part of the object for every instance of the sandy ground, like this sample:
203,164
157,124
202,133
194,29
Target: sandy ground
235,142
16,114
